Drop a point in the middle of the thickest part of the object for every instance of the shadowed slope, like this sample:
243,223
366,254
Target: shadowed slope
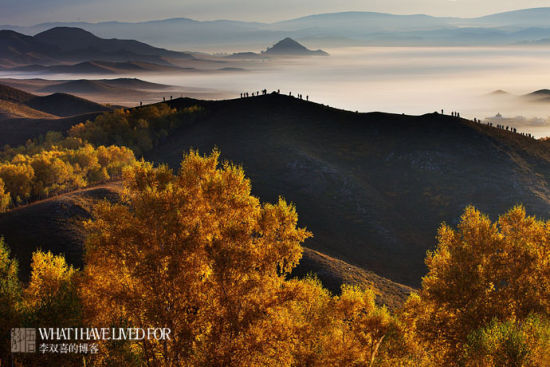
54,224
373,188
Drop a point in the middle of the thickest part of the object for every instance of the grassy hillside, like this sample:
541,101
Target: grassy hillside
334,272
10,110
373,188
57,104
64,105
53,224
25,116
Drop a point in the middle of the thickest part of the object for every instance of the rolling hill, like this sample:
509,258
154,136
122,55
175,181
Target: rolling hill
373,188
24,115
57,104
56,222
99,67
17,130
117,92
16,48
542,95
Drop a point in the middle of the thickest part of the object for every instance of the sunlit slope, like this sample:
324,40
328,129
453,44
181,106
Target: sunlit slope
334,272
373,188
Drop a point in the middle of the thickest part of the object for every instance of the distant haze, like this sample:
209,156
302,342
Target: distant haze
27,12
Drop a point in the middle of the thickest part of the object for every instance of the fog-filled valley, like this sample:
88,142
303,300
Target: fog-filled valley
411,80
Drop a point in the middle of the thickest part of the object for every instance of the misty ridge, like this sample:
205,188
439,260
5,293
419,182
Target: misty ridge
529,26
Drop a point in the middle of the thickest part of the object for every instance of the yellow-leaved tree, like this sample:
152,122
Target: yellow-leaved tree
51,297
197,253
5,198
10,298
480,273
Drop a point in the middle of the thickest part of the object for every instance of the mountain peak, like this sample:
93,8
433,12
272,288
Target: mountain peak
288,43
67,33
288,46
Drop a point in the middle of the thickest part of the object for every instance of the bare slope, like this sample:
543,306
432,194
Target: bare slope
54,224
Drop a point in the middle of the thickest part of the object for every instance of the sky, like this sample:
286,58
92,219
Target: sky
30,12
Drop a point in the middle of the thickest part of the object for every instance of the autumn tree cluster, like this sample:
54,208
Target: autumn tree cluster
195,252
139,129
49,298
93,152
486,298
51,169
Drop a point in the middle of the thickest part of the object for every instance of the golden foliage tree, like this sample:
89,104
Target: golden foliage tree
17,180
481,272
10,298
5,198
510,344
51,297
70,165
140,129
195,252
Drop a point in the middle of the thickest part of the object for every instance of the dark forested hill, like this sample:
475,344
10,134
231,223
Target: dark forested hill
373,188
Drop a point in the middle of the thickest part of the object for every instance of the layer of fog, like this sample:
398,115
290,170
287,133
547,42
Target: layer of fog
405,80
398,80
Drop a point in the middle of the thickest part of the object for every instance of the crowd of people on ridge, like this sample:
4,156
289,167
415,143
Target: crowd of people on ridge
264,92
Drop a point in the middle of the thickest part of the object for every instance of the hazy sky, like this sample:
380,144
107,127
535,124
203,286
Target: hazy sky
27,12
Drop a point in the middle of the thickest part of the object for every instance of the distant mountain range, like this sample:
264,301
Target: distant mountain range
70,50
333,29
63,45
